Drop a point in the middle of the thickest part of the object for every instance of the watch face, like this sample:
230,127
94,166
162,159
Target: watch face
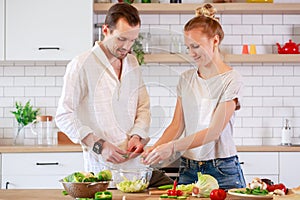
97,148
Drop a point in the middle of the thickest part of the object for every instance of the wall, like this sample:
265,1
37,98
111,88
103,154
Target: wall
272,91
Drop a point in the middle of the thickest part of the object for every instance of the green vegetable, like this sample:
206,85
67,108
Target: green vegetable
206,183
185,188
164,196
104,175
165,187
255,191
132,186
64,192
105,195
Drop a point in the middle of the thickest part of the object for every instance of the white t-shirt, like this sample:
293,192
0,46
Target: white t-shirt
95,101
199,99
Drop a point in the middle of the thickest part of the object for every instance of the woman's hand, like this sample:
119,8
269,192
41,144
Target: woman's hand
162,152
135,147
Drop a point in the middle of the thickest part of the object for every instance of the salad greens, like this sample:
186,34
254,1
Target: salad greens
79,177
132,186
255,191
206,183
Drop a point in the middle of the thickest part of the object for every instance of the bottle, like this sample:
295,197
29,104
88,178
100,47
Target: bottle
286,134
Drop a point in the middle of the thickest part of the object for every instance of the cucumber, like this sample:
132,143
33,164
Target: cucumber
165,187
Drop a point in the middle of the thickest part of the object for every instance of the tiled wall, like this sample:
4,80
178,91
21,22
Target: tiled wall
272,91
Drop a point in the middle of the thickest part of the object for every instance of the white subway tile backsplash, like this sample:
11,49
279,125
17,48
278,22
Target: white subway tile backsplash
149,19
291,19
170,19
45,81
251,19
272,101
24,81
283,91
35,91
35,71
262,29
13,71
272,19
242,29
231,19
6,81
271,90
14,91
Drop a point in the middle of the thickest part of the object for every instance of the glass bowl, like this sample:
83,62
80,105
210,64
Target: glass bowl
132,180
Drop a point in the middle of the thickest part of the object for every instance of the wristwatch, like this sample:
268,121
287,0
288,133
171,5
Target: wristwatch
98,146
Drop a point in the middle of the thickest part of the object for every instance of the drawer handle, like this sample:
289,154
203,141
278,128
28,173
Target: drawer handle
49,48
55,163
6,185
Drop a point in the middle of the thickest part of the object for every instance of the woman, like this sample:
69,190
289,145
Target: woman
208,97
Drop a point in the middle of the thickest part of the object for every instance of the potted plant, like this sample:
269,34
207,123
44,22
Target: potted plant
24,116
138,51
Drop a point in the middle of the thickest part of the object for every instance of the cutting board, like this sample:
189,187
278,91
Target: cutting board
287,197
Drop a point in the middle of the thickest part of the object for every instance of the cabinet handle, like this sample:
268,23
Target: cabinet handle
49,48
6,185
241,163
55,163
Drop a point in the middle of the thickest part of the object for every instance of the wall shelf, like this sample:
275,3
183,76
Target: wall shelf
226,8
230,58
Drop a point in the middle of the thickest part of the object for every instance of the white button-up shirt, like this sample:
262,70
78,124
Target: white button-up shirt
95,101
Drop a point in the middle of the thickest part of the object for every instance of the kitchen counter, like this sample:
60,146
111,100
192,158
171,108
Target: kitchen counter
77,148
56,194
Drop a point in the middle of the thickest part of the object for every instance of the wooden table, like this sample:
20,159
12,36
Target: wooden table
56,194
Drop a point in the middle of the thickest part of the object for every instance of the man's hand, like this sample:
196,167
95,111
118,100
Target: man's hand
162,152
112,153
135,147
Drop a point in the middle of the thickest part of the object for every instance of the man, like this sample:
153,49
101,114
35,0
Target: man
104,104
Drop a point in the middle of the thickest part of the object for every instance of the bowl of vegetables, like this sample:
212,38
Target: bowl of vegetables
132,180
86,184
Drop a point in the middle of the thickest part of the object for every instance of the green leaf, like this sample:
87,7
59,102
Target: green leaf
25,114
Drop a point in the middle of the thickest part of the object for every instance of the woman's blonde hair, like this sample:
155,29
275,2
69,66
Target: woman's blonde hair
205,19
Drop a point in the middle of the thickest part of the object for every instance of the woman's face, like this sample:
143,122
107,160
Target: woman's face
200,47
120,40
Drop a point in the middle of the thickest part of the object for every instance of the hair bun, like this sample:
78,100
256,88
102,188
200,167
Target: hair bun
206,10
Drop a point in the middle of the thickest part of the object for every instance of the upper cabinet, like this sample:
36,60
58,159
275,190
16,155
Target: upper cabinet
1,30
48,30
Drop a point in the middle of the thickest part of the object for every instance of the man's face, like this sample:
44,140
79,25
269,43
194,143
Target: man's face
120,39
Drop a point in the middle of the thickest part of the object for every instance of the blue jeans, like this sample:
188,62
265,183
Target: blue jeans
227,171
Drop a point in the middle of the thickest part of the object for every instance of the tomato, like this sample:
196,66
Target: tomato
179,192
279,186
172,193
217,194
195,190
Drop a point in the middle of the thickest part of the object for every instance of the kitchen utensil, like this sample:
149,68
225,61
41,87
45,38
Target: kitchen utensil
289,48
132,180
42,127
85,189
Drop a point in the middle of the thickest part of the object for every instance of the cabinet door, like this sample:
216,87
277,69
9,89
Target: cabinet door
2,29
27,170
289,169
48,30
259,164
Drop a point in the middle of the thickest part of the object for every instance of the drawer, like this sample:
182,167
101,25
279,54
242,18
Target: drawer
31,182
259,163
41,163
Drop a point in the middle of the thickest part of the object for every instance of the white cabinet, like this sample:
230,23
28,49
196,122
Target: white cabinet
2,29
48,30
38,170
260,164
289,168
